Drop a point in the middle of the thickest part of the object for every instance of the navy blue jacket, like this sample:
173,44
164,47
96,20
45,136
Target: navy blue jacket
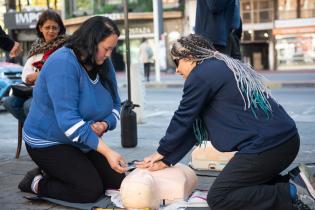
214,19
210,91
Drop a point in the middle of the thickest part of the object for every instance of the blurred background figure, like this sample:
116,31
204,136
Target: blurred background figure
9,45
220,23
146,57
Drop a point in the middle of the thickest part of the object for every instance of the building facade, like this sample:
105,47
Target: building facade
74,12
277,34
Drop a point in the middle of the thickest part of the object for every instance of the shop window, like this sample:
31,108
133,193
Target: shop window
295,51
262,35
247,35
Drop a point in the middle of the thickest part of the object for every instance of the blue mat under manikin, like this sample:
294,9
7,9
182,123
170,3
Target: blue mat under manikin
102,202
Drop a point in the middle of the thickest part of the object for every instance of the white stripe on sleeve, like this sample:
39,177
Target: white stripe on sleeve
71,130
76,139
116,113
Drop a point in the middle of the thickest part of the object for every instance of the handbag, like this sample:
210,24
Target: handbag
22,90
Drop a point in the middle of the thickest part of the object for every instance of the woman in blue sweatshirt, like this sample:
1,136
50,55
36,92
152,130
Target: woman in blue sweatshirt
75,101
225,101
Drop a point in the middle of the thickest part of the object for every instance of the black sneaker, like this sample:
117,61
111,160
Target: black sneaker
305,200
26,183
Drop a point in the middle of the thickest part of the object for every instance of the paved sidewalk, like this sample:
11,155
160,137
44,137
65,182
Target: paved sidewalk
12,170
275,79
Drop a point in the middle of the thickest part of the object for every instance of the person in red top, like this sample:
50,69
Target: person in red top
51,36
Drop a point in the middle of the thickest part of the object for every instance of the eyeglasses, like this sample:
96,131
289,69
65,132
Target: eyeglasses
52,28
176,62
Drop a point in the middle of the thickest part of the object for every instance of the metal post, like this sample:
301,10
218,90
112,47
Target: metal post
127,47
128,119
158,30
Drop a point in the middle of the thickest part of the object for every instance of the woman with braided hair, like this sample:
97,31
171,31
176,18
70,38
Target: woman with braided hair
226,102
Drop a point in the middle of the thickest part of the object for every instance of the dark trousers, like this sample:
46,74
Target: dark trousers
232,48
72,175
147,71
252,181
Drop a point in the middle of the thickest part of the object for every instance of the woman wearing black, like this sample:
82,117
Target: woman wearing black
225,101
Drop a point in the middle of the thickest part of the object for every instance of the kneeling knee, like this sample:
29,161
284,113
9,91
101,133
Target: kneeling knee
92,191
91,196
213,198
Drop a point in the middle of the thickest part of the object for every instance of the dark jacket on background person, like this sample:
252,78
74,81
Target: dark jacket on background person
211,92
214,19
6,43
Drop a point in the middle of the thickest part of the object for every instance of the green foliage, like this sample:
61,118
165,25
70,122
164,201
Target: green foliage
83,4
107,8
100,7
140,6
133,5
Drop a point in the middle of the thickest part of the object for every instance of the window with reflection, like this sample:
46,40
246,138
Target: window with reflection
307,8
257,11
295,50
287,9
246,11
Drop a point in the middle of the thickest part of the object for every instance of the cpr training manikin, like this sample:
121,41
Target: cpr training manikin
146,189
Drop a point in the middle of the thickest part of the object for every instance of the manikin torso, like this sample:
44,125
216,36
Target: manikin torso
145,189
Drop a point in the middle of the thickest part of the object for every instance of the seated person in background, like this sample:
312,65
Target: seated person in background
75,101
226,101
51,36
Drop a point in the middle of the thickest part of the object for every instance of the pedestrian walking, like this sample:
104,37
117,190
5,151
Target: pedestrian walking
75,101
6,43
220,22
146,56
226,102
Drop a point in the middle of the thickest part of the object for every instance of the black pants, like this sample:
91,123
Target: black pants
252,181
232,48
147,71
72,175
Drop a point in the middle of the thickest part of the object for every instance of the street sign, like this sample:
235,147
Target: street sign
21,20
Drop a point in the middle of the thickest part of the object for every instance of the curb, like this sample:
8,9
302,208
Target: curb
291,84
270,84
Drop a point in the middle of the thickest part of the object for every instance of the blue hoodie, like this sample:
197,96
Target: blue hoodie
66,102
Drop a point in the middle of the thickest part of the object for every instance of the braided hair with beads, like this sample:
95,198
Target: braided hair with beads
250,84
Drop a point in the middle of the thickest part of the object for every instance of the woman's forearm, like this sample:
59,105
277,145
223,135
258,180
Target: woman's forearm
102,147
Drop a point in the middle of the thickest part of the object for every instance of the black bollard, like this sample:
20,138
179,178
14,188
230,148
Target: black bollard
128,121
